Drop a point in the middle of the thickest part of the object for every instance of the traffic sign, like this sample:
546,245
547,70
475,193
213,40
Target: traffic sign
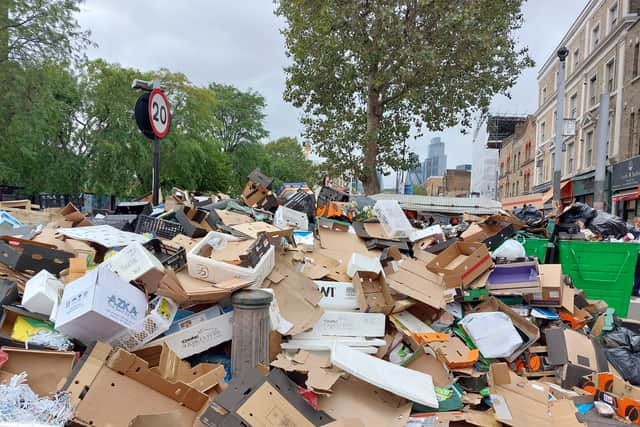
159,113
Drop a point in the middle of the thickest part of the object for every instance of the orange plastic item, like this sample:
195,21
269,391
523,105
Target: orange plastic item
473,358
567,317
601,387
334,210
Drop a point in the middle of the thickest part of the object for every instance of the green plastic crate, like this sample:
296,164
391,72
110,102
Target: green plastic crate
534,247
603,270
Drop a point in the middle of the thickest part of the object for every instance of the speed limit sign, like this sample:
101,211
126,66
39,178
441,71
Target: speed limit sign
159,113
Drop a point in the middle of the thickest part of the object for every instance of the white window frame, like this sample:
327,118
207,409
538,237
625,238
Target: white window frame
593,85
543,126
612,17
611,79
576,58
588,149
595,36
573,105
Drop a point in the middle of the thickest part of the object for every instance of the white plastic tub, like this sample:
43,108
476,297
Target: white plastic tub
214,271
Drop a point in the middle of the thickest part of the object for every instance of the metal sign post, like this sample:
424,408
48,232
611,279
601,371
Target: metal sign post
153,117
557,145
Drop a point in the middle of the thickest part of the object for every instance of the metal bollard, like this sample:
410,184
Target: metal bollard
251,328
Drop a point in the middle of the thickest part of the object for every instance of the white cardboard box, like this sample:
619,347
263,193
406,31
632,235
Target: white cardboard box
98,306
135,262
339,296
359,262
210,270
289,218
348,324
42,293
198,337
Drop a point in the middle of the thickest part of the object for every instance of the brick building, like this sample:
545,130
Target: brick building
515,177
599,44
454,183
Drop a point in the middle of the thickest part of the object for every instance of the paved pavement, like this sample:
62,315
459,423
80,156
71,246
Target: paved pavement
634,309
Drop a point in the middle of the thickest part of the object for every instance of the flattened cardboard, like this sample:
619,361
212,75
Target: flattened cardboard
461,263
375,407
266,407
340,244
320,375
233,218
413,385
414,280
297,297
528,331
46,370
427,364
492,233
372,292
522,403
253,229
578,354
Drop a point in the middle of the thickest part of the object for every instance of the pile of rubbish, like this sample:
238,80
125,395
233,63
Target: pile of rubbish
295,308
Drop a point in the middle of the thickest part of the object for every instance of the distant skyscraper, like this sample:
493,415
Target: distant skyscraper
436,162
465,167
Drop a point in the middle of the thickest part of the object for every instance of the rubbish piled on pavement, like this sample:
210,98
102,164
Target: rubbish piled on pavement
283,308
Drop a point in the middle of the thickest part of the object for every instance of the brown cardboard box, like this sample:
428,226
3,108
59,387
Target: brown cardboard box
526,329
46,370
553,292
577,354
461,263
454,353
373,293
114,390
414,280
521,403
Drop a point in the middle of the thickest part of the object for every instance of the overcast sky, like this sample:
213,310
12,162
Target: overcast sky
238,42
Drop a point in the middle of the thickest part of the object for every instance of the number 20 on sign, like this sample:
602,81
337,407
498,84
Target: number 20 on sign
159,113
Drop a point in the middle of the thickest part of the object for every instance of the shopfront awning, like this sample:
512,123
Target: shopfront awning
566,192
628,195
534,199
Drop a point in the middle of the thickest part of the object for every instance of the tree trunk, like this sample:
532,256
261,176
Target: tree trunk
4,31
374,114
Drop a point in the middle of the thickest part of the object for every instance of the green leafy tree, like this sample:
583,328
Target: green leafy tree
287,162
240,116
365,72
36,30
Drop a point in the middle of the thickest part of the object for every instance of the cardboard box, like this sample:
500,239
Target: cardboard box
46,370
186,290
454,353
202,267
196,334
359,262
261,401
528,331
521,403
256,189
349,324
337,296
461,263
554,292
373,293
492,233
42,292
114,390
18,325
515,278
414,280
577,354
157,321
98,306
136,263
289,218
493,333
31,257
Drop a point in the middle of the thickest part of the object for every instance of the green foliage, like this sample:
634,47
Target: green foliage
40,30
287,162
419,190
240,116
366,72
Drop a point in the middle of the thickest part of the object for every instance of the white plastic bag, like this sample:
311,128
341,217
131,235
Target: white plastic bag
510,250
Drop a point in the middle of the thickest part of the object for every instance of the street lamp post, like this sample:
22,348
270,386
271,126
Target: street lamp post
562,53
